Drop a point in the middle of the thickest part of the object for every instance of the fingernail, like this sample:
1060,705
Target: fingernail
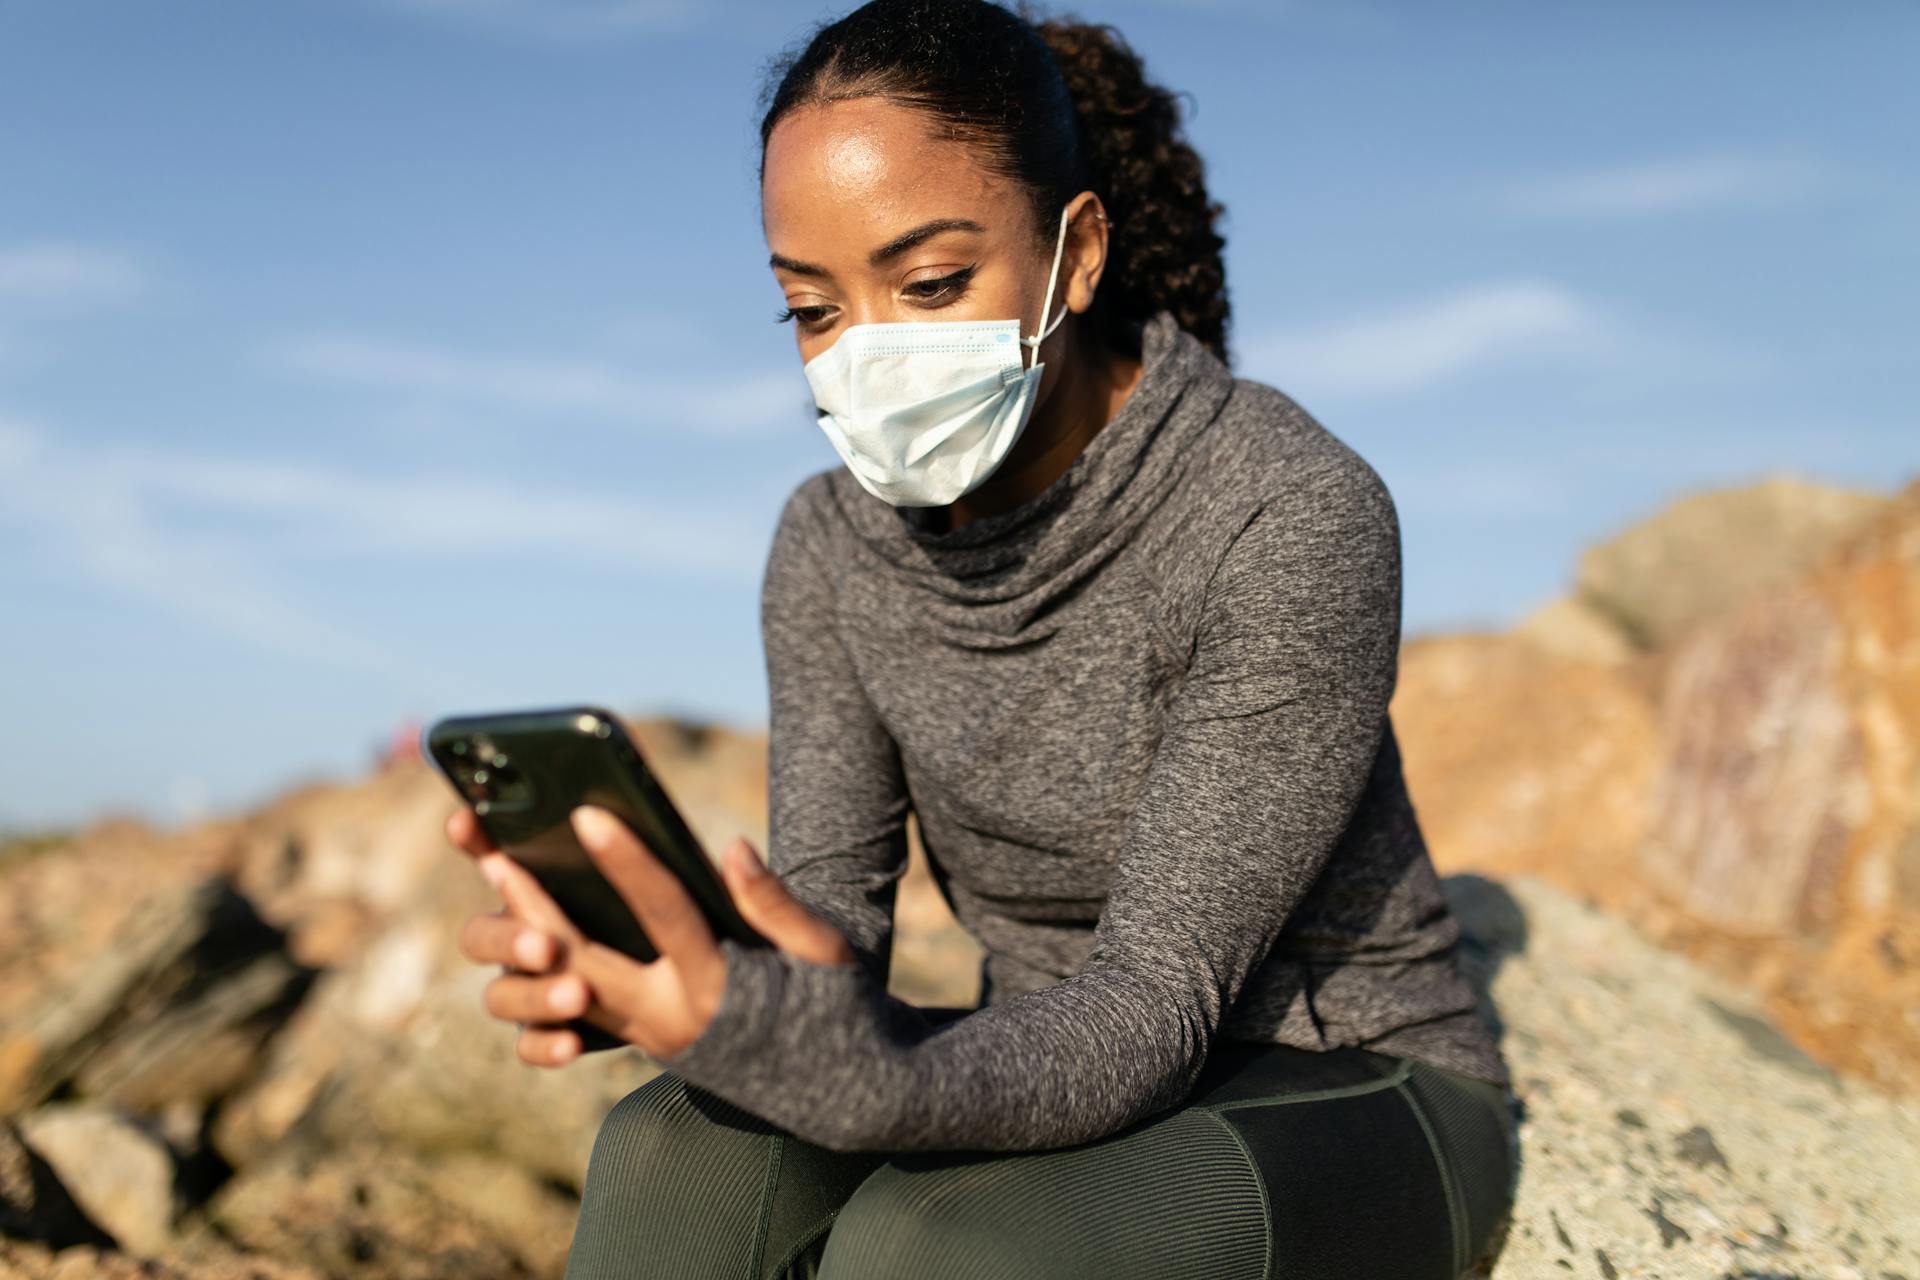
527,949
750,863
592,824
491,870
563,998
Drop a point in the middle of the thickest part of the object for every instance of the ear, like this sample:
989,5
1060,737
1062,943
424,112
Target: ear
1085,256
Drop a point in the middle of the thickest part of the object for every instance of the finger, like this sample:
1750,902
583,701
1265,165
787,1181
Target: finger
519,997
466,834
526,898
658,900
767,906
497,937
548,1046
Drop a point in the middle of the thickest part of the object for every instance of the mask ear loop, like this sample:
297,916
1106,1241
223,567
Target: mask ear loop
1059,247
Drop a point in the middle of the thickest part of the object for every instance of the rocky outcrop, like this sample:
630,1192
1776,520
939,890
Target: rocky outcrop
1707,553
119,1172
1749,793
258,1039
176,1008
1670,1130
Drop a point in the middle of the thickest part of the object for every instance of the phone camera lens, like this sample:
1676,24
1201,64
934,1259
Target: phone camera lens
459,747
481,777
499,760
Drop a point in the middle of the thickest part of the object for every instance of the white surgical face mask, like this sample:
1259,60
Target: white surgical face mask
923,411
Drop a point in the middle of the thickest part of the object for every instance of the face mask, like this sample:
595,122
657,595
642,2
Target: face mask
924,411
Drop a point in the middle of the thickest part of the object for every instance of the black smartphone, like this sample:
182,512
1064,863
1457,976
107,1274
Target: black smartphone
524,772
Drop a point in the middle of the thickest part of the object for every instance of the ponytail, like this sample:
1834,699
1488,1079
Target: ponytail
1165,254
1059,106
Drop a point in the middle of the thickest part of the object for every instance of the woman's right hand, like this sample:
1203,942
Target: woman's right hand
526,955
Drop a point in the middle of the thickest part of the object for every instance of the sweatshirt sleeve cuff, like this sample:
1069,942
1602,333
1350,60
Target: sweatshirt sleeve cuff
742,1027
819,1050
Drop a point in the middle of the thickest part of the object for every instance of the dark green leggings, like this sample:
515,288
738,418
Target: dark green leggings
1282,1163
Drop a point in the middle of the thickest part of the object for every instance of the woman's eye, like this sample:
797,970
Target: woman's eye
941,289
809,317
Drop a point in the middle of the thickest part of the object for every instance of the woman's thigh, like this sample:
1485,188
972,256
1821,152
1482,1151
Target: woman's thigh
1282,1162
683,1184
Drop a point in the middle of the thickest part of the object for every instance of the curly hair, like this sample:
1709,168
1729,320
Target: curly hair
1059,106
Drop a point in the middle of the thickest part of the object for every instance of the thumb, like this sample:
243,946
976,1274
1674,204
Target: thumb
765,903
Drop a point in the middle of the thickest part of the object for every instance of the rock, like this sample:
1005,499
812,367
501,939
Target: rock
1708,552
120,1174
208,1260
396,1044
331,863
1518,759
1661,1138
177,1007
1573,628
1762,786
935,962
1787,805
34,1204
1749,795
63,908
377,1214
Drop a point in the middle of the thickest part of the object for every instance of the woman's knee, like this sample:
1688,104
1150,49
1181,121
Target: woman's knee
1175,1197
673,1186
665,1115
917,1223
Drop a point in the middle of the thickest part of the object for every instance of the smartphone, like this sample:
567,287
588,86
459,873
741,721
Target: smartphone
524,772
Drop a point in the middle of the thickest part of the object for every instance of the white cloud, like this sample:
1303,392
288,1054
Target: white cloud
102,525
67,274
319,510
43,278
1417,344
1668,186
753,402
139,523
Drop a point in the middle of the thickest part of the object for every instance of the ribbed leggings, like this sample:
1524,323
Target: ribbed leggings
1281,1163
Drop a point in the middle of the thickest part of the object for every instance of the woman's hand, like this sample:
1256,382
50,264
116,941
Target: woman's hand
555,973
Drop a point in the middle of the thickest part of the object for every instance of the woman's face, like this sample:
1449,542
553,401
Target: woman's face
872,219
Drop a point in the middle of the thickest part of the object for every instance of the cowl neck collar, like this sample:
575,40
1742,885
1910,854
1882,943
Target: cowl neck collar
996,574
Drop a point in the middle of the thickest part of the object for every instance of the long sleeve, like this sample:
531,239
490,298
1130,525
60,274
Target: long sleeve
837,803
1265,754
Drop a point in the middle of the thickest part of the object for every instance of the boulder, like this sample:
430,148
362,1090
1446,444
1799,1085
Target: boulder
176,1007
379,1214
34,1204
1669,1128
1708,552
396,1044
201,1260
119,1173
1748,794
1521,759
1573,628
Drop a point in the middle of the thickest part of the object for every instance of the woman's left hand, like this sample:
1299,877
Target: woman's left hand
556,973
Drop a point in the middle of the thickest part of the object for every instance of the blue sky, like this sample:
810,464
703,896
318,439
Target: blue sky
373,359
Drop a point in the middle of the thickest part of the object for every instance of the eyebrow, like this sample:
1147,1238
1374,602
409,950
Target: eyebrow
891,249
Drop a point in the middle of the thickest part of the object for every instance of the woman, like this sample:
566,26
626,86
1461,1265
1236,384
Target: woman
1121,629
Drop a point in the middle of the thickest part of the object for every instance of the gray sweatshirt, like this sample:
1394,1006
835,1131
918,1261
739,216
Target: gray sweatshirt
1142,721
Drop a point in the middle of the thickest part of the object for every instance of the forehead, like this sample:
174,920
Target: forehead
859,170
